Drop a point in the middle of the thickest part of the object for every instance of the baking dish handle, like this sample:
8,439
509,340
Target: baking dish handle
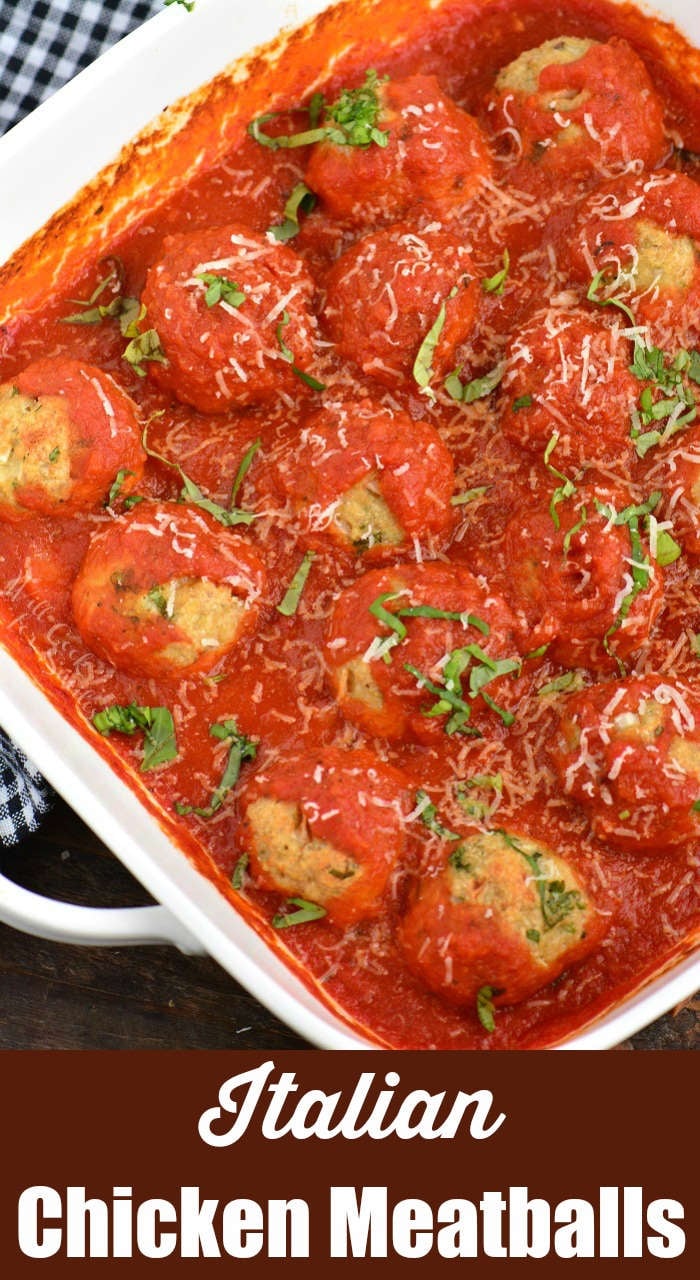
92,926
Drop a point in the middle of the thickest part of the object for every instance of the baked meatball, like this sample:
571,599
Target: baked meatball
229,307
369,477
435,158
644,236
165,591
677,468
385,294
629,753
568,373
505,912
570,576
416,650
66,430
328,827
572,109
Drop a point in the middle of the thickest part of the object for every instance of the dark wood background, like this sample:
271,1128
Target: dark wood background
54,996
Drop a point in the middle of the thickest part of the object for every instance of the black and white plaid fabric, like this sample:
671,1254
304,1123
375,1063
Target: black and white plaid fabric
24,796
43,43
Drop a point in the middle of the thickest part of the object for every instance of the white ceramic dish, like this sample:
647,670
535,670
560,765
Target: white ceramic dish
99,112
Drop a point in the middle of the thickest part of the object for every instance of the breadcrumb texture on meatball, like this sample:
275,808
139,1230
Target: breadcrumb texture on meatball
166,592
66,430
505,912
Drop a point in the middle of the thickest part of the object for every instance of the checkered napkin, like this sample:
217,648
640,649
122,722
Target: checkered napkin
24,796
43,43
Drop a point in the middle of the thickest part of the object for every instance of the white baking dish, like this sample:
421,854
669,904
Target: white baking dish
86,124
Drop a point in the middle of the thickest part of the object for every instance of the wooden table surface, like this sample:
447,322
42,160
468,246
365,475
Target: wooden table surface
54,996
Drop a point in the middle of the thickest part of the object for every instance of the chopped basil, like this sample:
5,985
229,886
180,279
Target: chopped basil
667,549
566,490
55,454
497,283
556,901
477,809
142,350
640,564
481,669
569,681
117,485
522,402
575,528
624,815
302,200
393,621
469,495
593,296
186,4
695,806
192,493
239,871
532,935
292,596
695,643
485,1008
288,355
351,121
305,913
243,470
219,289
356,113
423,363
429,817
677,404
156,723
158,600
241,749
539,652
477,389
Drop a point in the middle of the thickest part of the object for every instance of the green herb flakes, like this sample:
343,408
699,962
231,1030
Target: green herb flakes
240,750
496,284
302,200
485,1008
351,121
292,596
239,872
219,289
428,815
306,913
156,723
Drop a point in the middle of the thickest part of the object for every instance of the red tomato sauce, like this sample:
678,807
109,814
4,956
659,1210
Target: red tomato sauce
276,686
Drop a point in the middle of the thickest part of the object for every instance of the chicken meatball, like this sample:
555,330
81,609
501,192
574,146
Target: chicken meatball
165,591
572,108
629,753
677,468
579,575
66,431
568,373
433,156
385,294
329,828
371,477
505,912
231,310
416,650
639,242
